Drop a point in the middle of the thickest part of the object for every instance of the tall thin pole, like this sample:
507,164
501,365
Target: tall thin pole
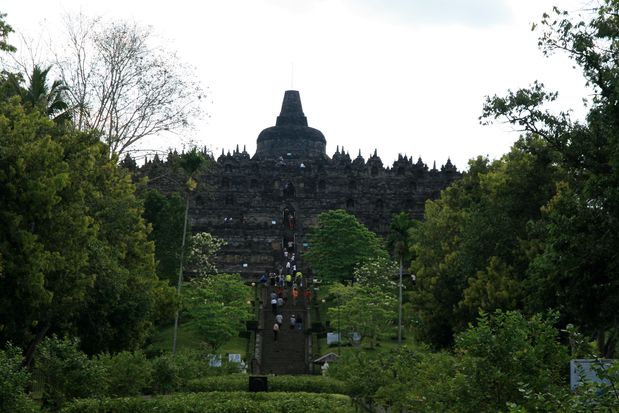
400,306
180,274
339,329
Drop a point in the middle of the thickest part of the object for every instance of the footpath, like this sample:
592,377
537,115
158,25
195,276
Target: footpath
287,355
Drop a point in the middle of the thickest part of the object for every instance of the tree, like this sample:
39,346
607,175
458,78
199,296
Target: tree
49,99
578,235
123,86
75,254
473,250
202,248
189,165
14,382
366,310
504,353
339,243
218,305
5,30
398,239
45,227
379,272
165,213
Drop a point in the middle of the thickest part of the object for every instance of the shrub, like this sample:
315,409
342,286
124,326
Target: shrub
219,402
239,382
67,373
126,373
167,375
13,382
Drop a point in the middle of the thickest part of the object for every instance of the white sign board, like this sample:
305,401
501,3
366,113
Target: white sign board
333,338
234,358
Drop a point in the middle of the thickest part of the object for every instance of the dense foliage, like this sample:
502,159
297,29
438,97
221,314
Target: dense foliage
14,380
218,305
218,402
365,310
574,262
490,365
165,214
339,243
239,382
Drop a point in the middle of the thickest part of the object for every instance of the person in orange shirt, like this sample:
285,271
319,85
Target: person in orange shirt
295,295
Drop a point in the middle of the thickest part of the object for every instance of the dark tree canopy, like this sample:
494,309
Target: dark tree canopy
339,243
74,250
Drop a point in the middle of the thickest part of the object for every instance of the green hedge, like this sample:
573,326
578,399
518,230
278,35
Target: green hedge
220,402
240,382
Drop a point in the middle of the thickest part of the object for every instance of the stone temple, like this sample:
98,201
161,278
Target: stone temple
262,203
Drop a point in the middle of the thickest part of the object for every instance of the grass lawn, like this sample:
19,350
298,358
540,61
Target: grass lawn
189,339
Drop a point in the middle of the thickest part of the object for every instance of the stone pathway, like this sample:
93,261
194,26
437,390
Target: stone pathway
287,354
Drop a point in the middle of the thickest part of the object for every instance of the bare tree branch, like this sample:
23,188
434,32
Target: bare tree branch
123,86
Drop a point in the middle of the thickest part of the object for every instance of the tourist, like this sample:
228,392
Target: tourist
293,322
299,278
279,319
274,305
295,295
288,280
291,221
279,302
308,296
299,323
275,331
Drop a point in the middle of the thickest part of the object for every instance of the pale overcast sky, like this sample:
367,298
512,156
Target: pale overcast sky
403,76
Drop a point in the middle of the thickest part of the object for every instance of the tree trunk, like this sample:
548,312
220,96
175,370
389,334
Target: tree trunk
607,343
29,353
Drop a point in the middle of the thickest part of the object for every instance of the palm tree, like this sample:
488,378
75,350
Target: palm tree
50,100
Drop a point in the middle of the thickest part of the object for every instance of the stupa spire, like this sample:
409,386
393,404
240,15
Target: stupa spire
292,111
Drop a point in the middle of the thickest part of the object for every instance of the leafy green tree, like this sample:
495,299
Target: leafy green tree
363,309
74,247
473,250
165,213
188,165
126,373
5,30
46,229
126,297
14,380
202,248
67,373
503,353
219,305
380,273
339,243
362,371
494,287
578,235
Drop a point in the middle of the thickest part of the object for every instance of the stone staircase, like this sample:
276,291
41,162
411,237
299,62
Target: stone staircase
287,355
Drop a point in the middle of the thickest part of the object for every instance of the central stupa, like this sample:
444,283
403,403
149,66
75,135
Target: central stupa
291,137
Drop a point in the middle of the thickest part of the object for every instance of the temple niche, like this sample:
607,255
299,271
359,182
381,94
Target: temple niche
260,203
